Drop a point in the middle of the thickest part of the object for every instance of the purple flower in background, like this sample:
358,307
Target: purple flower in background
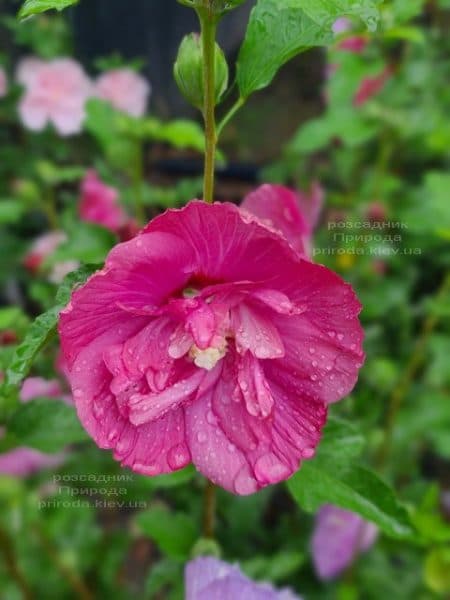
339,537
207,578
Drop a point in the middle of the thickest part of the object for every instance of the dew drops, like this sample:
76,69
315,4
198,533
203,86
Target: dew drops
313,377
312,350
340,336
178,456
77,393
244,484
314,363
308,452
332,334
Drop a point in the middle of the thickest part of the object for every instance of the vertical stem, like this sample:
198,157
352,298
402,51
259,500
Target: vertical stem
208,23
7,549
210,509
401,390
138,179
50,208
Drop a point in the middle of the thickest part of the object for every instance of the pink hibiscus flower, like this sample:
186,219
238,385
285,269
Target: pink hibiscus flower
55,92
371,86
3,83
294,214
339,537
208,339
125,90
21,462
99,203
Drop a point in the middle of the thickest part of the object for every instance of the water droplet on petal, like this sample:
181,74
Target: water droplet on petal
244,484
201,437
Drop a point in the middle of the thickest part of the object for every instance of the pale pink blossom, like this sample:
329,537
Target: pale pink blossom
339,537
56,93
208,339
22,461
208,578
294,214
60,269
28,69
99,203
125,90
3,83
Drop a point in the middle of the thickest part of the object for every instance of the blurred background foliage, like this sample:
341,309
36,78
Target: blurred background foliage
87,529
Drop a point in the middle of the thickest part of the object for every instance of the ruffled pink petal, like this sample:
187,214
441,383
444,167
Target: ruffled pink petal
137,274
254,331
232,247
153,448
278,206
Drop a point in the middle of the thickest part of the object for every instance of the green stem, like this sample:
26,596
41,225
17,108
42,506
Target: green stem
230,114
208,22
401,389
50,209
9,556
138,181
209,509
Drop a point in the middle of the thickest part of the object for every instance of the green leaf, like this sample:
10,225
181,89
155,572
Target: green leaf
274,568
278,30
38,335
47,425
333,477
11,211
34,7
174,533
356,489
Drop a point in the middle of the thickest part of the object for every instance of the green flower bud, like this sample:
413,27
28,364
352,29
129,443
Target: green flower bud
188,71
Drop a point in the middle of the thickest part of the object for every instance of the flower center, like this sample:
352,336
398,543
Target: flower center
209,357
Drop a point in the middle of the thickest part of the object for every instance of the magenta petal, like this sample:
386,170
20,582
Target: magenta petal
231,246
137,273
255,332
278,206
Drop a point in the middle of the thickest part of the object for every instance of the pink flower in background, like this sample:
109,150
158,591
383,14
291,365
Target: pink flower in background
207,578
21,462
43,247
294,214
125,90
28,69
339,537
208,339
371,86
99,203
3,83
55,92
354,43
36,387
